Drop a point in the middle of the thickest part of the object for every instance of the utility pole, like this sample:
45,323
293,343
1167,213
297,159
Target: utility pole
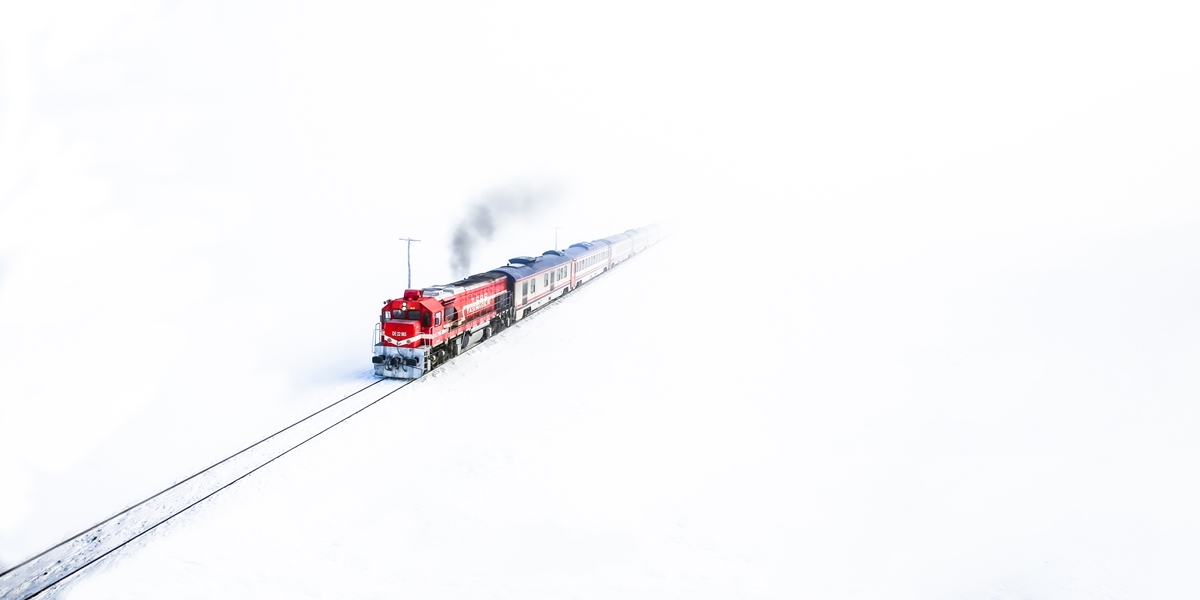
556,228
410,241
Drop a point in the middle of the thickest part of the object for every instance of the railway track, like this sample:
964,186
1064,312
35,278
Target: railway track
43,574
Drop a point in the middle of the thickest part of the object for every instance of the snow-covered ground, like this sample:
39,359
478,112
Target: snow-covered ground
928,328
880,442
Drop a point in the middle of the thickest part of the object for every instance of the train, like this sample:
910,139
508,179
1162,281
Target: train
425,328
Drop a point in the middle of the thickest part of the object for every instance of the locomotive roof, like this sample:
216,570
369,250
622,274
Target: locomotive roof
460,286
474,280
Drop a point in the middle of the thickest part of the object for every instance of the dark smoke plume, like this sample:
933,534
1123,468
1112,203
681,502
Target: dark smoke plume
488,215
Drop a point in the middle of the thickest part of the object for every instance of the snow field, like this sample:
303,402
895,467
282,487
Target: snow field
496,473
911,434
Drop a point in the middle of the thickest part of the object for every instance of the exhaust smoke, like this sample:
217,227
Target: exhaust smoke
488,215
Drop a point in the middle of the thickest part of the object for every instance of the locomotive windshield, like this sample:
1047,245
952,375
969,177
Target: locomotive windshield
409,315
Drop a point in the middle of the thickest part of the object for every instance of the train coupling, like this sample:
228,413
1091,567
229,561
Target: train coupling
399,363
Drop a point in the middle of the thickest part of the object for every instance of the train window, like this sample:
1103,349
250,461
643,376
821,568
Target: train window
426,320
437,318
525,288
451,313
387,314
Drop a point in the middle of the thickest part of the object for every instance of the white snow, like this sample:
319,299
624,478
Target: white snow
929,328
875,446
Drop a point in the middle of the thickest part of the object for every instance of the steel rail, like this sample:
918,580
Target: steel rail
52,566
74,554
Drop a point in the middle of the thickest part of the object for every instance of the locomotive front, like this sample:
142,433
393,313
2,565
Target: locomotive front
403,335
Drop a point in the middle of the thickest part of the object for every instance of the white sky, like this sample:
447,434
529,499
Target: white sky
214,192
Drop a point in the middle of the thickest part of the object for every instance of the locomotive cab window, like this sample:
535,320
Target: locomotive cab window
437,318
426,320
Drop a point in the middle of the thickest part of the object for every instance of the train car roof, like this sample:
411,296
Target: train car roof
527,266
614,239
583,249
